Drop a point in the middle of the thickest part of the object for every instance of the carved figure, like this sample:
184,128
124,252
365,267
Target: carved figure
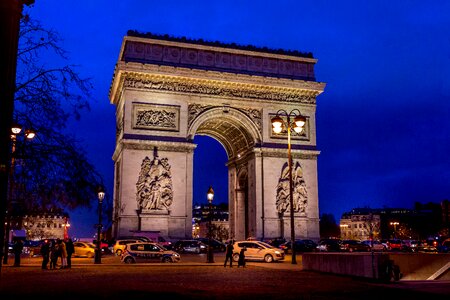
154,186
300,193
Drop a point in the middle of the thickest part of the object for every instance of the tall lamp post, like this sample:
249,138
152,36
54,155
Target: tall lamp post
29,135
210,196
298,124
98,252
395,227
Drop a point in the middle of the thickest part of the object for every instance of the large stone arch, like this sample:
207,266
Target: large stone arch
231,127
168,90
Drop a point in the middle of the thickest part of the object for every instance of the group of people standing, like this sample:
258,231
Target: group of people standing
229,255
57,250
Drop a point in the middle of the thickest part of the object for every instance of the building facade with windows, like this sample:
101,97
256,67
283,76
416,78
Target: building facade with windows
40,226
360,225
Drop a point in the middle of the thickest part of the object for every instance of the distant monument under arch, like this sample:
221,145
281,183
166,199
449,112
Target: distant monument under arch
167,90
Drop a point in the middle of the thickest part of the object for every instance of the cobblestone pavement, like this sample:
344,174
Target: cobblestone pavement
193,278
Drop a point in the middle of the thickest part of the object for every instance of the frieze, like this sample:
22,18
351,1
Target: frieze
156,117
225,61
217,89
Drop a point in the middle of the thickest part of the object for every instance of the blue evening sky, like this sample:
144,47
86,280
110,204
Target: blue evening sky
382,123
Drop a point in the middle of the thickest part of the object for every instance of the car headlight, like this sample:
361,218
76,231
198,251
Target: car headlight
277,252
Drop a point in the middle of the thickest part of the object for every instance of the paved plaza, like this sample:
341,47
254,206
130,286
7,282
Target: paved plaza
193,278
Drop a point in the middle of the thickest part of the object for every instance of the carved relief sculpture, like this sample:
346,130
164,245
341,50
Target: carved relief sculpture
156,117
300,194
154,186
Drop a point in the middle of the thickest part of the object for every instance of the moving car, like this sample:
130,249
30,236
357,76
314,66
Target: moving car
257,250
142,252
83,249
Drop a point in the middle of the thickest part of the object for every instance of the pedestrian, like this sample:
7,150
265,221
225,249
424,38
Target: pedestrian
45,252
17,249
63,253
54,254
241,261
70,250
229,254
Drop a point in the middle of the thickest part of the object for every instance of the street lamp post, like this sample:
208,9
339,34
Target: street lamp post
210,196
29,135
395,227
98,252
297,125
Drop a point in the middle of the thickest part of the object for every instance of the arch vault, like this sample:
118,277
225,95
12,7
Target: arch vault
167,90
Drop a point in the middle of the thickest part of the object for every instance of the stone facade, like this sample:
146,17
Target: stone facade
167,91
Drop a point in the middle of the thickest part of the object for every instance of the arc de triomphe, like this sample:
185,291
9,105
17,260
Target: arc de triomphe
167,90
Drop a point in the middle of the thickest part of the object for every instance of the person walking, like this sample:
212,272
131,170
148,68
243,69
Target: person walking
229,254
17,249
45,252
70,250
241,261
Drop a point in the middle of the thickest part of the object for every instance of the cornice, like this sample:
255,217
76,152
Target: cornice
210,83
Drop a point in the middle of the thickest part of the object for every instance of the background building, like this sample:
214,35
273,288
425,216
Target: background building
421,222
219,221
40,226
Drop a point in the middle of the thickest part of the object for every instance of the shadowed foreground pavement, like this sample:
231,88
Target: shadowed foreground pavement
199,280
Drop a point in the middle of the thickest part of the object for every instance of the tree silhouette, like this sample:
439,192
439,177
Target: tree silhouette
52,171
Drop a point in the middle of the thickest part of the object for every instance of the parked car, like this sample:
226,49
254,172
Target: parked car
189,246
410,245
425,247
215,244
83,249
148,252
257,250
395,245
375,245
300,246
329,245
354,246
103,245
444,247
277,242
119,246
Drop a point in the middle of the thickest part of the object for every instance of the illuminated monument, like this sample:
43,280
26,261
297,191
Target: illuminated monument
167,90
